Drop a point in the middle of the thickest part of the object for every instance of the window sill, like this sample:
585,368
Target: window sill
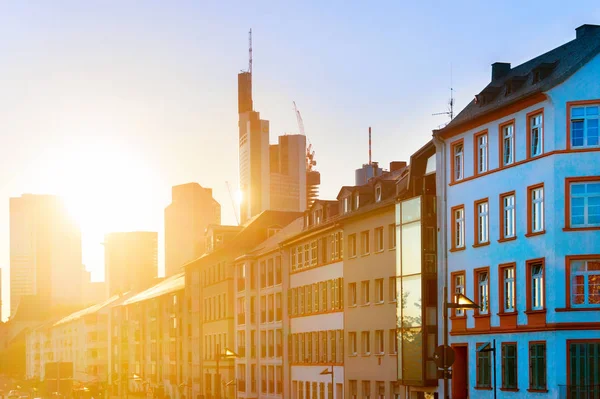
379,303
393,302
353,355
484,388
480,316
510,389
483,244
578,309
364,305
379,252
380,354
365,355
503,239
538,390
513,313
352,306
535,311
392,249
583,228
536,233
453,317
352,257
457,249
365,254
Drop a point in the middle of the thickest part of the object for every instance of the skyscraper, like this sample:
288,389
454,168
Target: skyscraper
191,211
45,251
131,260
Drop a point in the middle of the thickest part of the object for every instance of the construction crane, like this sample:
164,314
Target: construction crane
310,153
235,212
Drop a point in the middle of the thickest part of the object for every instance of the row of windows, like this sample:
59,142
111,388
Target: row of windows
270,274
215,308
317,347
366,298
214,342
317,252
509,372
372,343
311,390
365,241
321,297
270,309
583,282
534,276
271,343
214,274
366,386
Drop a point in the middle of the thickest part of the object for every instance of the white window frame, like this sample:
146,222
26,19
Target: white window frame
352,343
483,222
365,338
482,153
365,244
508,277
377,193
484,292
536,129
586,206
379,239
537,286
459,288
459,221
509,215
346,202
584,272
459,161
508,144
365,292
379,296
352,293
352,245
537,209
356,200
379,342
585,118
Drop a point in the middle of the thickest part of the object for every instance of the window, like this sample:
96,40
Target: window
380,387
352,344
313,253
583,378
507,147
378,194
353,389
535,140
379,239
459,288
366,298
366,389
379,342
508,216
352,245
352,294
458,227
393,289
536,209
364,243
484,366
508,289
481,152
392,236
584,126
366,342
509,365
583,202
346,204
483,221
535,285
278,270
537,366
584,282
458,163
393,342
483,291
379,290
356,201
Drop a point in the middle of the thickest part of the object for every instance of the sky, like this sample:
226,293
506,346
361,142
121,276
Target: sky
110,103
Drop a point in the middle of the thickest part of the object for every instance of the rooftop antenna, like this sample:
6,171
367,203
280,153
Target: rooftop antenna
250,51
370,163
450,111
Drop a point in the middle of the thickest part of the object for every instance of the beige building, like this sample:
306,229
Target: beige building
261,320
45,251
131,261
210,293
191,211
370,286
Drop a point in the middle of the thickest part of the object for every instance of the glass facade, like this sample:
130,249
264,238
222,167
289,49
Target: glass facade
417,307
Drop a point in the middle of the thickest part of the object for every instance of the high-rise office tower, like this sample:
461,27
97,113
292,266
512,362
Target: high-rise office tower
288,173
191,211
131,260
45,251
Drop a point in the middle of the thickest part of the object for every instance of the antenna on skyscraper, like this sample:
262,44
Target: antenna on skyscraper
250,51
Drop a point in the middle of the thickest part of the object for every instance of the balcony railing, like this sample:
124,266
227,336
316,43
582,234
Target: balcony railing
579,391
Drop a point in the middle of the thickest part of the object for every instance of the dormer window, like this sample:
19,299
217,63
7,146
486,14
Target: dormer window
514,83
346,204
318,215
378,194
356,201
271,231
541,71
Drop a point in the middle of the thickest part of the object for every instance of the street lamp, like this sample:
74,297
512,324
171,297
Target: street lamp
234,383
229,354
460,302
326,372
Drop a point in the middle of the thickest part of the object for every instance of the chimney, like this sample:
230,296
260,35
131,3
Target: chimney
500,69
397,165
587,30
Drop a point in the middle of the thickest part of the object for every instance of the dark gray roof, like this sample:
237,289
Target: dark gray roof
567,59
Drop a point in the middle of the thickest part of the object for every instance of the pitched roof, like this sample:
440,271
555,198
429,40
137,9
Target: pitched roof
564,60
167,286
87,311
273,242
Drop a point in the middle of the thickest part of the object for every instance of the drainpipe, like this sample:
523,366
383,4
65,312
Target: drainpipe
441,183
